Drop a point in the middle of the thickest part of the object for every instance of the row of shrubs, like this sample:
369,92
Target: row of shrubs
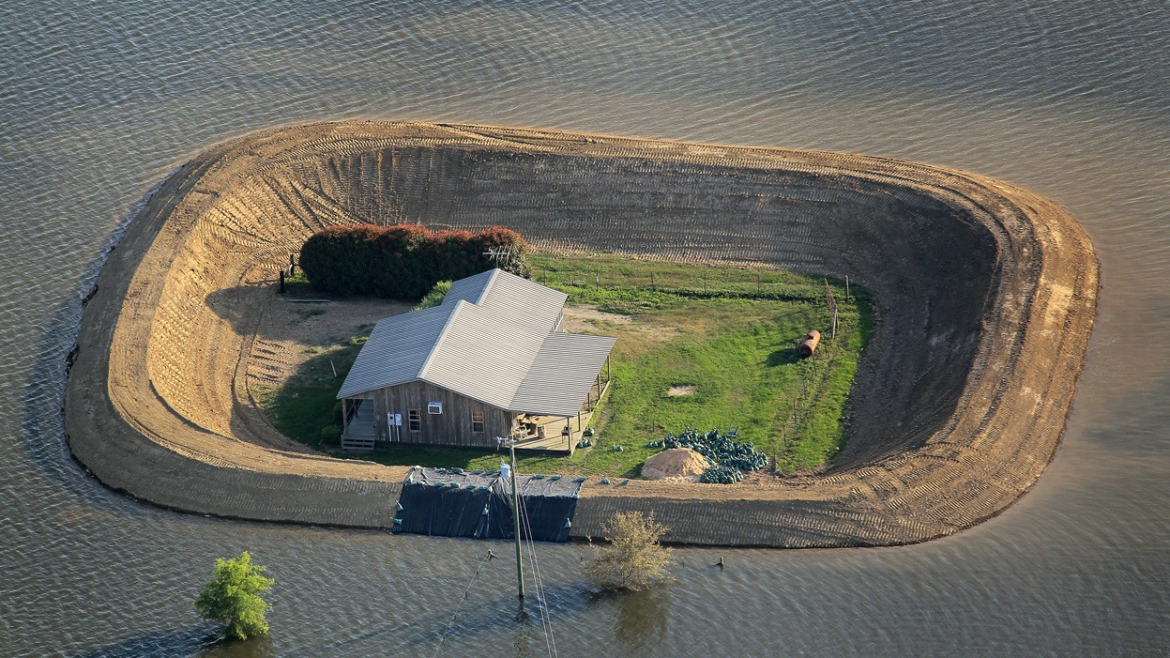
405,261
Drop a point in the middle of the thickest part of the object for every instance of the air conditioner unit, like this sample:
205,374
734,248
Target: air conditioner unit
435,408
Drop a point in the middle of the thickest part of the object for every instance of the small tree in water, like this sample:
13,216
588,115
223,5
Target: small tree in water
634,560
232,597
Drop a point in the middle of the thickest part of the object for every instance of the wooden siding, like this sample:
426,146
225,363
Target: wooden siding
450,428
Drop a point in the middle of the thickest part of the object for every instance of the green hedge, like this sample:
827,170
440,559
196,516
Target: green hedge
405,261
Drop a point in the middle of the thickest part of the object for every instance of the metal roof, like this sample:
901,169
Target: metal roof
492,339
396,351
562,374
532,304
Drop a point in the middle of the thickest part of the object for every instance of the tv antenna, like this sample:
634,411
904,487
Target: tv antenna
499,254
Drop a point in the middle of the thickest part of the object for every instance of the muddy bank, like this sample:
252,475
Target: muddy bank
986,293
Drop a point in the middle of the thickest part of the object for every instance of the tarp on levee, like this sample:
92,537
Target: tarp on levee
454,503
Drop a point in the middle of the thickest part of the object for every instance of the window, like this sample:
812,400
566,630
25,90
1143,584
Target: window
435,408
477,421
415,420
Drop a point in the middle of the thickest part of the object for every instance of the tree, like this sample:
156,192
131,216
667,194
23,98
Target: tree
634,560
232,597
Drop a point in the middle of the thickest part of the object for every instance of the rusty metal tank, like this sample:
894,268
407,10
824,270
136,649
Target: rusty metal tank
809,344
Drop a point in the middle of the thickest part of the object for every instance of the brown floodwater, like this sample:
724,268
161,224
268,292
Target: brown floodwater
99,100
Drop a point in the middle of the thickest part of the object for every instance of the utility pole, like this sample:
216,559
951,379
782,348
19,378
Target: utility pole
516,520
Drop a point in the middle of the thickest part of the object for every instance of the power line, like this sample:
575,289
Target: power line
454,616
545,616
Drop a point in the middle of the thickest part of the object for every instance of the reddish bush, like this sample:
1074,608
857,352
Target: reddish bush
337,259
449,256
396,269
405,261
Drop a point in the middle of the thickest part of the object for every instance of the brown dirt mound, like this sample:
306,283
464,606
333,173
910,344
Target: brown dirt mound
674,463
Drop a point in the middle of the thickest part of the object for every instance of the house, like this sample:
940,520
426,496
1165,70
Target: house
491,361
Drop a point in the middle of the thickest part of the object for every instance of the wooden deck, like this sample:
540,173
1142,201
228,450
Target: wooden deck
554,440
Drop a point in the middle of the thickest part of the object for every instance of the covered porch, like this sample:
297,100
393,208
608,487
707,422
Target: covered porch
558,434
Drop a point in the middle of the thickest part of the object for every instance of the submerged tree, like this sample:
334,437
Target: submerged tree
232,597
634,560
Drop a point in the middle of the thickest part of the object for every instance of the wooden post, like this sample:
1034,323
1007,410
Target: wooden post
282,282
759,287
608,374
846,287
344,419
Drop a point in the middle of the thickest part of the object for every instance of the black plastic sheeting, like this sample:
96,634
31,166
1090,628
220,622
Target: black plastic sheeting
445,503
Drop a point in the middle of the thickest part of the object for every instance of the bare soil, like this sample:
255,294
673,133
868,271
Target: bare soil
675,464
290,333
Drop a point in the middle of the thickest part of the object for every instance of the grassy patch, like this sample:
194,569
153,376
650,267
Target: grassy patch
305,403
728,332
297,286
725,335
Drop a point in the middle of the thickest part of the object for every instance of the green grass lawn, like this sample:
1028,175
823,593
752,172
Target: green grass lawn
726,333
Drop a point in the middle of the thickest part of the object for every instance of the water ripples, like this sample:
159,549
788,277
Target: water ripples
99,100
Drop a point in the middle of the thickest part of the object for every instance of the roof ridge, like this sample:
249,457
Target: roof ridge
436,347
487,287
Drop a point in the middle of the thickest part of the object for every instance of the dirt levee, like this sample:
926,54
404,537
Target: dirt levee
986,296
